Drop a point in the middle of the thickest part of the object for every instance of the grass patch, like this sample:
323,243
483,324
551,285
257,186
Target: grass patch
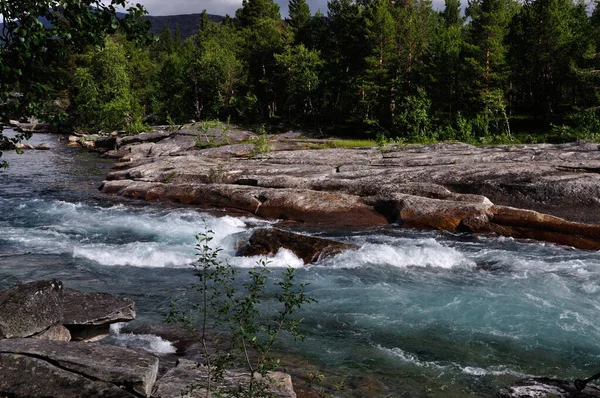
352,143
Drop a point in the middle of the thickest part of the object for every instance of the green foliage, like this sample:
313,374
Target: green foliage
413,120
583,125
105,96
299,74
261,142
35,58
231,323
401,66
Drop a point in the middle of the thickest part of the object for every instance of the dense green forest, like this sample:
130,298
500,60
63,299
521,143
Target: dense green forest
496,70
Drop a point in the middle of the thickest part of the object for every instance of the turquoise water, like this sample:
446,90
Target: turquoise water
410,313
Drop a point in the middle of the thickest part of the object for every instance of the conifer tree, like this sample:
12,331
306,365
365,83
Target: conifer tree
300,19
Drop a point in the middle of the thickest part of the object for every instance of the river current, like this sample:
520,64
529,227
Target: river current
411,313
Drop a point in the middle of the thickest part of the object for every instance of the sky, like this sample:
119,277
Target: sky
221,7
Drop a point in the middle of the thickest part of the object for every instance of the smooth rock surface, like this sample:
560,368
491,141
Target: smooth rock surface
453,187
189,380
25,376
547,388
55,332
309,249
105,366
88,315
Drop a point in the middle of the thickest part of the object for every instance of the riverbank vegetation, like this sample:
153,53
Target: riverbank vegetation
497,71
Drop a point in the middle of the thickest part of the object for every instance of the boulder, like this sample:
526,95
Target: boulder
25,376
547,388
55,332
34,368
45,310
177,382
309,249
31,308
42,147
109,142
24,147
88,315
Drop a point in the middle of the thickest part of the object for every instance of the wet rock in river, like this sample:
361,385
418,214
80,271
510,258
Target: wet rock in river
88,316
309,249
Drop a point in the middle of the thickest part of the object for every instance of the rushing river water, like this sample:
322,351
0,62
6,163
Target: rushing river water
411,313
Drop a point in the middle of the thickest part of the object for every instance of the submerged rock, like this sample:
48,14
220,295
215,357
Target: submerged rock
309,249
34,368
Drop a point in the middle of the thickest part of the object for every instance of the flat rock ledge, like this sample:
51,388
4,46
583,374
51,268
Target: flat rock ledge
57,369
547,388
47,310
543,192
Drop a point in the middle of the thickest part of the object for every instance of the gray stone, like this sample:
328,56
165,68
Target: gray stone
410,185
547,388
189,380
30,308
308,248
89,315
42,147
131,370
55,332
96,308
27,376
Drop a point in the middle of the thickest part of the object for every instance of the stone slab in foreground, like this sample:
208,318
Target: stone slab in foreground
177,382
48,311
31,368
547,388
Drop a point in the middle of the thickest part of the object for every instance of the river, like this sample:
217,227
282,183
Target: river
412,313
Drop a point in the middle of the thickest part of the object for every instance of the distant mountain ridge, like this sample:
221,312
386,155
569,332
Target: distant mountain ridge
188,23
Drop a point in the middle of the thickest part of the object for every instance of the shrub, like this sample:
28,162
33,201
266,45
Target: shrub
229,323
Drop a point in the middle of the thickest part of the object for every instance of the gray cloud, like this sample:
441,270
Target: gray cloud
222,7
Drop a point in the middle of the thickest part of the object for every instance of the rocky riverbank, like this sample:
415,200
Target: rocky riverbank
544,192
48,349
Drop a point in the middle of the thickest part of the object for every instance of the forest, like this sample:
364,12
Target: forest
499,70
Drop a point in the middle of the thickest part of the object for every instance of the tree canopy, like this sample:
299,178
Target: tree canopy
396,68
39,36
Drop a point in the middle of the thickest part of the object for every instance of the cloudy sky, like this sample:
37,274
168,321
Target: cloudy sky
219,7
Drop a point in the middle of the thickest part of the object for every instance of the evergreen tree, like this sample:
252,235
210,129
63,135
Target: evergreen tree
451,13
444,63
347,51
546,44
300,19
376,83
252,11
